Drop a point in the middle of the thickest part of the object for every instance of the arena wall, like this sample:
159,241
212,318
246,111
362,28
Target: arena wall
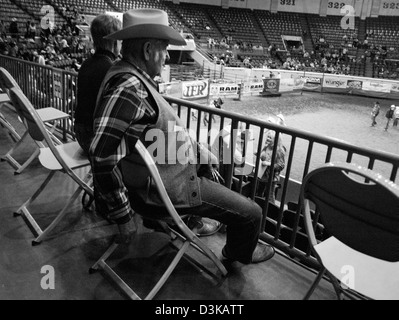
362,8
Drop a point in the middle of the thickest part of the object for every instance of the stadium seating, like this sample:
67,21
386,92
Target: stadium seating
251,29
276,24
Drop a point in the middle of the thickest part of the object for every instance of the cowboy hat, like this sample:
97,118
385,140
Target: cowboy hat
147,23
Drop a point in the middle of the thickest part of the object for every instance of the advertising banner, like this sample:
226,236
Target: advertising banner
312,83
377,86
395,88
223,89
254,87
355,84
319,82
335,82
193,90
291,85
271,86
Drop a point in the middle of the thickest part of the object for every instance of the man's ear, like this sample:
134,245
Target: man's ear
147,50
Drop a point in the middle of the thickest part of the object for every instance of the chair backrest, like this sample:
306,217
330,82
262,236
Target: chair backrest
29,115
7,81
357,206
150,163
38,132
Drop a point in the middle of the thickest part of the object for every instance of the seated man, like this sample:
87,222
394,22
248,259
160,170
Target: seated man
91,75
131,109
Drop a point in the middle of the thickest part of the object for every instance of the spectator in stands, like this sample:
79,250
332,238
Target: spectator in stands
3,32
13,49
273,50
64,46
91,75
30,30
3,47
129,105
389,115
266,159
39,58
374,113
14,29
23,53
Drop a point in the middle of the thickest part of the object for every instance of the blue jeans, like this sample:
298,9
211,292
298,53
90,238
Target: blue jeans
241,216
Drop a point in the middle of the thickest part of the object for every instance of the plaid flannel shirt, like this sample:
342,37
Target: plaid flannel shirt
121,116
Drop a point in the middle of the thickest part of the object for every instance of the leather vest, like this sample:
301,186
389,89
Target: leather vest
170,146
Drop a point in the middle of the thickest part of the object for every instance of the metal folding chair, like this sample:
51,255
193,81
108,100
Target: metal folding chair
180,231
50,116
360,211
5,100
65,158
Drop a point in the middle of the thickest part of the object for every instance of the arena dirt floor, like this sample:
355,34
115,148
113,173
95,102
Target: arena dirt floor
343,117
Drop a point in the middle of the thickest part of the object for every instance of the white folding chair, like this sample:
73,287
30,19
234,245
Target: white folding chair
181,232
5,100
360,212
65,158
50,116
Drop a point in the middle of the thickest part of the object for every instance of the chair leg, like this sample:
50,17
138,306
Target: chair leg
104,257
198,244
7,125
336,285
315,283
101,264
27,162
63,212
24,208
127,290
169,271
8,156
14,163
57,220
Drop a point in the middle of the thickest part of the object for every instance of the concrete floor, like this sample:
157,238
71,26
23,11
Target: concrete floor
82,238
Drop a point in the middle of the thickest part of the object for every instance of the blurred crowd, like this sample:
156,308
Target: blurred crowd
59,45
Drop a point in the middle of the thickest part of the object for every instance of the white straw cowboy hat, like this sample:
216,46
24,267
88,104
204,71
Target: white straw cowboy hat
147,23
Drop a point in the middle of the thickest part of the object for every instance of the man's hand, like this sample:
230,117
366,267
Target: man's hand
126,232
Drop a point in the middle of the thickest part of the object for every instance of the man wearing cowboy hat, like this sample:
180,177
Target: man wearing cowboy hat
129,109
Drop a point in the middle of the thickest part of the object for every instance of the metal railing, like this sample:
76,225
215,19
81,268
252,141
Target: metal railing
283,227
45,86
282,224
